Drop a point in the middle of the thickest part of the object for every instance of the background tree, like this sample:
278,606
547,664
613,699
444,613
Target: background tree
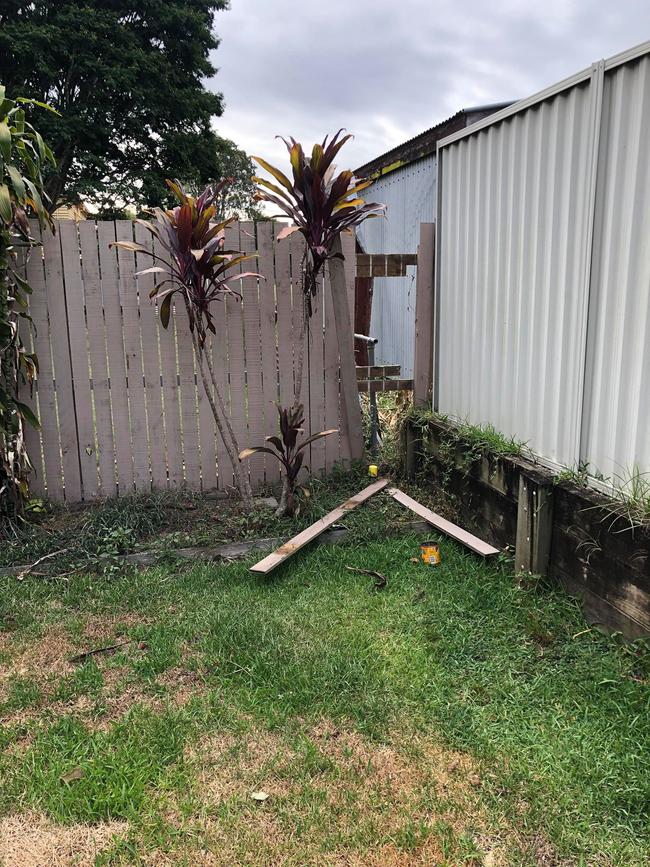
237,198
128,78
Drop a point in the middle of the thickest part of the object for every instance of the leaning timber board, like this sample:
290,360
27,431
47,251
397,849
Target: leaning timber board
289,548
446,527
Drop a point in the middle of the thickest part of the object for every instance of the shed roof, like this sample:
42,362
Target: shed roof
424,144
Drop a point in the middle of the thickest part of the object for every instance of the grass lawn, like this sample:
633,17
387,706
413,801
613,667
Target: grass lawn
450,718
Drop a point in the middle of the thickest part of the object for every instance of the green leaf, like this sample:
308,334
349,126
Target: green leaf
165,310
5,141
28,415
18,118
16,181
277,174
5,204
25,101
36,199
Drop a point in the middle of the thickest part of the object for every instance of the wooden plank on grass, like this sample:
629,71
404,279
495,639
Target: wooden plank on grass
289,548
446,527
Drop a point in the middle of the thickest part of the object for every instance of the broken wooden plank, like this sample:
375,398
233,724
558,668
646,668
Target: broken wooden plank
289,548
375,385
472,542
378,371
384,264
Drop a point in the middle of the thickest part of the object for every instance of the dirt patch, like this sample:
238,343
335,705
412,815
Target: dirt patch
33,841
334,779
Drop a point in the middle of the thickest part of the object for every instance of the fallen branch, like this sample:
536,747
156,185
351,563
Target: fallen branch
81,657
381,580
28,569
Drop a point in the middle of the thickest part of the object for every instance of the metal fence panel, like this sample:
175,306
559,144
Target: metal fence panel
410,194
513,245
616,429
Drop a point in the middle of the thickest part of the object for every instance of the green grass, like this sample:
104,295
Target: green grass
554,717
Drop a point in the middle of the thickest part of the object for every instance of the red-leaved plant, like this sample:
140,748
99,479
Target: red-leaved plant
197,270
320,205
288,452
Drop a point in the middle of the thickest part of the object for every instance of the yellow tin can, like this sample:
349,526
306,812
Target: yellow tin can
373,469
430,553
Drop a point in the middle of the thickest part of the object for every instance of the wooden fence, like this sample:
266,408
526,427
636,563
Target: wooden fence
121,406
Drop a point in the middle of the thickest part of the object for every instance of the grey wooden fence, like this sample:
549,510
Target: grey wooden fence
121,405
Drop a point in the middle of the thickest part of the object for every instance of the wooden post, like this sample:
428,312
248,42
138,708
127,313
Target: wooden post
534,523
343,323
424,312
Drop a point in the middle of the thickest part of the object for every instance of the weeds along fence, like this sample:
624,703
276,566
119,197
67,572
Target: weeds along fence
121,404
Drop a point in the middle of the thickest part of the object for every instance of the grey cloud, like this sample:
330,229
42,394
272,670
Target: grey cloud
388,70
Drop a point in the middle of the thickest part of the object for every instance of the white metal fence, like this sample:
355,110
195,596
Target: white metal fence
543,326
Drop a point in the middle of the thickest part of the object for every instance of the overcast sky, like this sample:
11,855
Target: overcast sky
389,69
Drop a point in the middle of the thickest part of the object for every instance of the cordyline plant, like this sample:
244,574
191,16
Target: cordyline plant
320,205
22,156
197,271
288,452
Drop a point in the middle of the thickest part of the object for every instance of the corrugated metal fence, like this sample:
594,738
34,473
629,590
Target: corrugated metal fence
409,194
544,270
119,399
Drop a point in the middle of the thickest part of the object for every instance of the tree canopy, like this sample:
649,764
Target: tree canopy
128,78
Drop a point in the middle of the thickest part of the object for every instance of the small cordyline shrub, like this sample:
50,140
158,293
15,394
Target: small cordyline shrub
288,452
320,205
197,269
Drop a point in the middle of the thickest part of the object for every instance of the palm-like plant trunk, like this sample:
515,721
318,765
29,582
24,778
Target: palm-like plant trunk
285,506
222,421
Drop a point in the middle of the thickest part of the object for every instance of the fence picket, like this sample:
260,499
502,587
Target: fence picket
284,321
116,361
62,365
315,413
235,364
151,363
253,354
269,348
48,473
133,353
105,444
79,358
331,381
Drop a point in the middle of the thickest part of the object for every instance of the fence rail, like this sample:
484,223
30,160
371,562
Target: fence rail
122,408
